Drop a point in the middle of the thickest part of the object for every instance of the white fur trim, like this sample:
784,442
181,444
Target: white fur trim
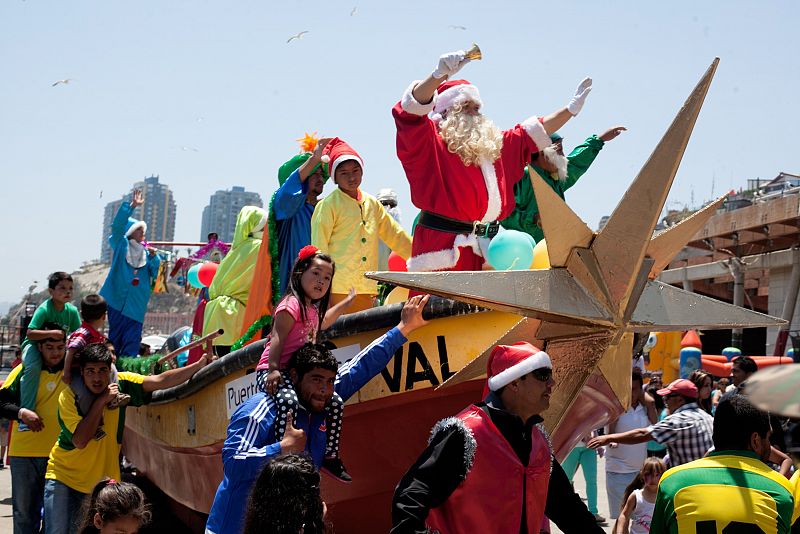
536,361
447,258
536,131
345,157
135,226
458,94
410,104
494,203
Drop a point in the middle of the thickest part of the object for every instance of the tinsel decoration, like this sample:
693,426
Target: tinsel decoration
264,322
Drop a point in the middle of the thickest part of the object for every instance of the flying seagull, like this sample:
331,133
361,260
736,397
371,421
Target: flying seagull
65,81
298,36
354,11
455,27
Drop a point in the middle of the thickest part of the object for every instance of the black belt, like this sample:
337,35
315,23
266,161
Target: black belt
453,226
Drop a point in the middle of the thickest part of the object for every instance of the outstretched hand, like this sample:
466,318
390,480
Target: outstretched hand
597,441
321,144
579,98
611,133
450,64
138,199
411,315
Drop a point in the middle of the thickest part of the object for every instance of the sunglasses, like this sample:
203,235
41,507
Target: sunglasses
543,375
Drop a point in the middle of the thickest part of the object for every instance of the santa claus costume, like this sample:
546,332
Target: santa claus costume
460,203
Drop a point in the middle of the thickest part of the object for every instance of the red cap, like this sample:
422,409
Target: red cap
509,362
680,386
338,151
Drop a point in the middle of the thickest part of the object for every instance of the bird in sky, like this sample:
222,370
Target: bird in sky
354,11
101,193
297,36
187,148
456,27
65,81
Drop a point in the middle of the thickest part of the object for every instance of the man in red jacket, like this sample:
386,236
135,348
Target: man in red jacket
491,467
461,167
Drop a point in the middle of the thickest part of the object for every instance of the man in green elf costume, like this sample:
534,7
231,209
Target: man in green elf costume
559,172
301,181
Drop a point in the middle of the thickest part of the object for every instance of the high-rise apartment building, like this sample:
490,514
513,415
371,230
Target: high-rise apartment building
223,208
158,212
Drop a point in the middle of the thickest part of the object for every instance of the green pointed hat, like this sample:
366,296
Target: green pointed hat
294,163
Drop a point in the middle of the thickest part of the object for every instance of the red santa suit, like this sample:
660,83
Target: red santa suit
441,184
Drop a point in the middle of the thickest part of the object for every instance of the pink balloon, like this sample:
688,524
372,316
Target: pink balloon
397,263
206,272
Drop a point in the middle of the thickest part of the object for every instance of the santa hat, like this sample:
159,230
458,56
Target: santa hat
135,225
510,362
451,93
337,152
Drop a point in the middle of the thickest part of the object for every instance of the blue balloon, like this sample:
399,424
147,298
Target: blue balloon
511,250
194,280
731,353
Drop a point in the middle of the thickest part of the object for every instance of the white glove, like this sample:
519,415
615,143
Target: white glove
450,63
576,103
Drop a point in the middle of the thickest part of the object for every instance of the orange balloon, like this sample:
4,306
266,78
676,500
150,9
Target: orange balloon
541,259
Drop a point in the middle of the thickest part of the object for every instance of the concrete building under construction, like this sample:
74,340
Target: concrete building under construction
749,254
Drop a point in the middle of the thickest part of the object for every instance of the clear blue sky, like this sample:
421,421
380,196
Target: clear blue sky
151,76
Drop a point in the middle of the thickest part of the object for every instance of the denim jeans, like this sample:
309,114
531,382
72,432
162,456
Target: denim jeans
27,492
615,486
61,507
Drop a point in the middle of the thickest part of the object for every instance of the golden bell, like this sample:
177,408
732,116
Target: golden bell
473,53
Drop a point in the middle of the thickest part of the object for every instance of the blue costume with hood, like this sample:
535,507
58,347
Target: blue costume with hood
127,289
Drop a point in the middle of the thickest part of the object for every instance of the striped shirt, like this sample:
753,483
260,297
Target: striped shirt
686,433
729,491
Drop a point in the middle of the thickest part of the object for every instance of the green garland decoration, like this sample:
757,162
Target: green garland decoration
272,224
263,322
143,365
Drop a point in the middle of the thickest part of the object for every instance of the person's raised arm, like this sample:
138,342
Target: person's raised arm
338,309
174,377
448,65
554,121
87,427
308,165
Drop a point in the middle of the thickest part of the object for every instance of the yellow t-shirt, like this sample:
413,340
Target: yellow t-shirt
37,444
795,481
81,469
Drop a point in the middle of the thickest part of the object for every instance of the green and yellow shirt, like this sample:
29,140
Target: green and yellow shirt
37,444
81,469
727,492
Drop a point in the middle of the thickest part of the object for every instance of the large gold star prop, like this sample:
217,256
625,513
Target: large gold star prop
601,287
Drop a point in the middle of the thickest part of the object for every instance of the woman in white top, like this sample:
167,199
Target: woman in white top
640,498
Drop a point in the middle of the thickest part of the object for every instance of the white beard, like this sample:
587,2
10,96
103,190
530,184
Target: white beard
472,137
136,255
560,162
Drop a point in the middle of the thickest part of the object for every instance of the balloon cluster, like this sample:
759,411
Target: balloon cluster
514,250
202,274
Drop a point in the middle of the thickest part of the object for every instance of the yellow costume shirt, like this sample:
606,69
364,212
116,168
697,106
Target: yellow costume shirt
81,469
349,231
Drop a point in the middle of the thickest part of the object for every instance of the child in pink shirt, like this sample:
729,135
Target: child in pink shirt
298,317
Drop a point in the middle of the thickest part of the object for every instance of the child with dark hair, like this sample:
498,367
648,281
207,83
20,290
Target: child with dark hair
286,499
93,313
298,317
640,498
113,508
57,310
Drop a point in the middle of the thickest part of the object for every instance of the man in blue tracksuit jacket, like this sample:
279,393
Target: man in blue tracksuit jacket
251,435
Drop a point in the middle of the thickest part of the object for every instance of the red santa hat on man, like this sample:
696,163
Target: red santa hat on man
337,152
510,362
453,92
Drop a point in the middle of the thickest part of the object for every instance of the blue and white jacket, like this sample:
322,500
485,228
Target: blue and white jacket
251,436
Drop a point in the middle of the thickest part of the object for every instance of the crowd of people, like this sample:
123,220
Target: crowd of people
671,458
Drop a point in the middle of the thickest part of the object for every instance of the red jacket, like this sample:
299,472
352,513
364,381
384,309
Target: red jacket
490,499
